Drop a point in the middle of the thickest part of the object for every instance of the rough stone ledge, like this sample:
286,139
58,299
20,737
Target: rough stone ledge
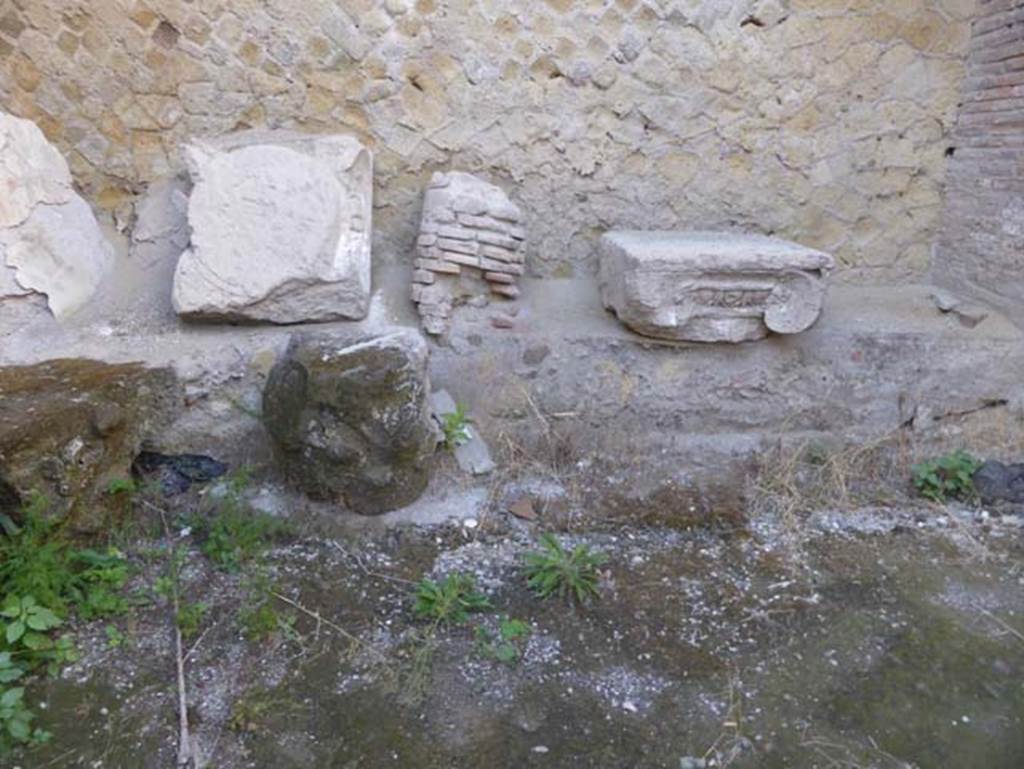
880,359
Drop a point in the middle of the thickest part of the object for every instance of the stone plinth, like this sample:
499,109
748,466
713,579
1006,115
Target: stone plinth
710,286
280,229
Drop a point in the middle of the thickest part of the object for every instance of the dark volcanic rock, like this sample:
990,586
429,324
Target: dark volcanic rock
352,423
996,482
68,427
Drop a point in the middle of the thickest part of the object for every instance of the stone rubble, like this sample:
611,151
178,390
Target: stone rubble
69,427
50,241
466,223
280,229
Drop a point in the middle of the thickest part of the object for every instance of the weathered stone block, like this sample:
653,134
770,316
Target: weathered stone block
280,229
709,286
68,427
50,242
351,422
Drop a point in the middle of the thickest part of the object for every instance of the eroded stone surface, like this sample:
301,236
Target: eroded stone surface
469,246
68,427
50,242
351,422
711,287
280,229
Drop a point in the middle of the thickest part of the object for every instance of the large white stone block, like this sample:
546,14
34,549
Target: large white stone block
280,229
50,242
711,286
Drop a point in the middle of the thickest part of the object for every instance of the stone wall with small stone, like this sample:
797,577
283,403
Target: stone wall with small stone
982,242
825,122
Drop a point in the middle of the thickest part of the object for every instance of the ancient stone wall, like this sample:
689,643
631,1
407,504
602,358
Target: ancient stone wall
822,121
982,243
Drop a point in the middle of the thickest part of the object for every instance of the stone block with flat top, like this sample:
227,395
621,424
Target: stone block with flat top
711,286
280,229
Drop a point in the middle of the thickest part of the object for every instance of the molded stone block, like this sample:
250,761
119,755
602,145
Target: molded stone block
280,229
711,286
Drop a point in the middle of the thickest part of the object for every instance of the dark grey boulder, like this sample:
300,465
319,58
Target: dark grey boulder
998,482
351,422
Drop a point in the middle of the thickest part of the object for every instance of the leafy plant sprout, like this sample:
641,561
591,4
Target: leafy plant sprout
450,601
456,428
572,574
946,477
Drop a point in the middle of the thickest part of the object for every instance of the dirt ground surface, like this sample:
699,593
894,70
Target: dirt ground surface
879,638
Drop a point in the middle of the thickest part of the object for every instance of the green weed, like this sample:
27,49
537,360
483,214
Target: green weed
38,561
450,601
115,638
235,534
190,619
16,718
507,647
553,570
950,476
456,428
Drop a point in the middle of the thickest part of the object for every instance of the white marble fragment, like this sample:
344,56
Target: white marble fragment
280,229
50,241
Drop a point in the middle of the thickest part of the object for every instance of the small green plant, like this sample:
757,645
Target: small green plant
25,620
236,535
115,638
16,720
450,601
126,486
25,632
38,561
553,570
456,428
35,561
950,476
507,646
24,646
99,578
190,619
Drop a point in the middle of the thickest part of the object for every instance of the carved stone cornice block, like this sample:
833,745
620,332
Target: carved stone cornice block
711,286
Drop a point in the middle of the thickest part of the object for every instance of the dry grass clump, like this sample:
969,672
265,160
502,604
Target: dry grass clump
794,481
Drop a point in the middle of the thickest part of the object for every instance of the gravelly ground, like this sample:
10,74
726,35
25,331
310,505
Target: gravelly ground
881,638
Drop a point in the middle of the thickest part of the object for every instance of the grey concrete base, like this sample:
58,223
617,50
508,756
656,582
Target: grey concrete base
632,415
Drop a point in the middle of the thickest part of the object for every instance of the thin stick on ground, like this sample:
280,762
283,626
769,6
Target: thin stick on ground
355,640
188,750
1002,624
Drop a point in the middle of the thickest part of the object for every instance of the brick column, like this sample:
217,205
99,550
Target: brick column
980,250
